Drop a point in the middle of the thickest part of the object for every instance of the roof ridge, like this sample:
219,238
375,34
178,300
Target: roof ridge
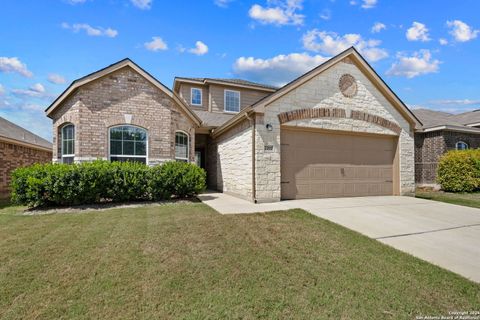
230,80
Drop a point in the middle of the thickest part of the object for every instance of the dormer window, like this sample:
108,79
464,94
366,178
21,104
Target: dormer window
196,97
232,101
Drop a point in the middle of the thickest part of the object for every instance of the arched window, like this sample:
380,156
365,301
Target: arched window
128,143
68,143
181,146
460,145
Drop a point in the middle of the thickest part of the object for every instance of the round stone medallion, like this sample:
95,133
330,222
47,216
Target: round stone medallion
348,85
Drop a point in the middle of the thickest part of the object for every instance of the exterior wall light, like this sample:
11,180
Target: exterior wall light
269,127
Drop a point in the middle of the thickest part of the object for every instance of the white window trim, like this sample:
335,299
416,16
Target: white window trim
458,142
188,146
126,156
61,142
191,97
225,101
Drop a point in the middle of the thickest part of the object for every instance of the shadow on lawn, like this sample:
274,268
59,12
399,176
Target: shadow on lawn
5,203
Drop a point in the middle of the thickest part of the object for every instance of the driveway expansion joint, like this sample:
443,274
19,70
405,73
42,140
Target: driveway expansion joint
429,231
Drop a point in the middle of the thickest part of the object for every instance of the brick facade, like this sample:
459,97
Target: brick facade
123,97
14,156
430,146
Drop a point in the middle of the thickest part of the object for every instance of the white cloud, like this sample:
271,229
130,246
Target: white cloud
200,48
91,31
368,4
419,63
326,14
443,41
462,102
283,12
2,90
277,70
461,31
418,32
222,3
35,91
38,87
142,4
331,43
13,64
33,107
156,44
56,78
378,26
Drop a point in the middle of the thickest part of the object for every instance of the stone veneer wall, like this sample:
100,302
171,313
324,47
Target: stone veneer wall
322,91
430,146
14,156
230,161
122,97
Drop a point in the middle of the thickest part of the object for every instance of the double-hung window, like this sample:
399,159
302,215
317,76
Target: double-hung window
196,97
232,101
68,143
181,146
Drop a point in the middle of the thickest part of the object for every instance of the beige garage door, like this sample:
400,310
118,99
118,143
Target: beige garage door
325,165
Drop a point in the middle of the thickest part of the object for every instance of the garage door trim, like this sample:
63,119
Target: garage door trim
395,174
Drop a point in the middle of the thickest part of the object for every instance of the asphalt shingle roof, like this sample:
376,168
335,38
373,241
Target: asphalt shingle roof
213,119
234,81
12,131
432,118
468,117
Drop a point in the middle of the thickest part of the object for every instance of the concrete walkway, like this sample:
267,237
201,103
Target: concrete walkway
444,234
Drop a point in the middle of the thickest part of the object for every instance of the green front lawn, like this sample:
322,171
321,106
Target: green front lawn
464,199
187,261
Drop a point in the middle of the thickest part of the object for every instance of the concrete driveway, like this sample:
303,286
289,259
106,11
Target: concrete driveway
444,234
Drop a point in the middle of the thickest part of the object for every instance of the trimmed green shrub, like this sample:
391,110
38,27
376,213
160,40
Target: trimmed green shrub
183,179
103,181
459,171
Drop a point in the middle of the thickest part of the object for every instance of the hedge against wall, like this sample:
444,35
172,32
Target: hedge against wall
459,171
103,181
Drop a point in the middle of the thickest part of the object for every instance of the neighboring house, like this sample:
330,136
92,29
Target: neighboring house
18,148
441,132
336,131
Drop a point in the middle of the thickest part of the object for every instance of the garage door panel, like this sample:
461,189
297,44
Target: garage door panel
318,165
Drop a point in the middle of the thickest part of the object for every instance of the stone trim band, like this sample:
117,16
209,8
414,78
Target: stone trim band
301,114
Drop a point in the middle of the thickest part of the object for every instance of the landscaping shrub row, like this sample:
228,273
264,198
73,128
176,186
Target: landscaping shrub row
459,171
104,181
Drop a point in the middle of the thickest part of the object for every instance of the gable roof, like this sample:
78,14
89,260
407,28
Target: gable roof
360,62
16,134
434,120
112,68
225,81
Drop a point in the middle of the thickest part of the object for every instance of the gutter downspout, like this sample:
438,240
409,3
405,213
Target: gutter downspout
253,119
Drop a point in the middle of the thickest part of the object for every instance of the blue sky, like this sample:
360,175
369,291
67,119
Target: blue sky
425,50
